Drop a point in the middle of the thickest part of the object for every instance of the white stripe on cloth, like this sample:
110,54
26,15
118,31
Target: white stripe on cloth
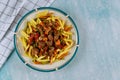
7,31
9,10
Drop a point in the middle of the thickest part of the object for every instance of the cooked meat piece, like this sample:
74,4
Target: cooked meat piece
56,24
38,25
31,39
42,36
51,32
41,44
63,43
35,51
47,30
36,36
46,22
53,25
50,37
46,48
49,43
40,30
50,24
45,53
56,37
59,46
41,52
51,51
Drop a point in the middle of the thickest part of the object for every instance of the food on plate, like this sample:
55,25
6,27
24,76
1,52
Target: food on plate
46,38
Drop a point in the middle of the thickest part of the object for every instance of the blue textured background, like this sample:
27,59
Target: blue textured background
98,57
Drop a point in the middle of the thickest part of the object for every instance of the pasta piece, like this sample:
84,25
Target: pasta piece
52,60
41,14
61,25
33,23
67,28
53,18
23,42
63,52
63,55
30,28
67,43
24,34
43,60
39,58
68,33
27,47
65,35
28,31
30,51
38,21
71,43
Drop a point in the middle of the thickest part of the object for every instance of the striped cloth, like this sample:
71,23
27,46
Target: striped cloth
10,12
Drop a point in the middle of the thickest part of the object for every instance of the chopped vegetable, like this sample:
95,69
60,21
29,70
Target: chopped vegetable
57,42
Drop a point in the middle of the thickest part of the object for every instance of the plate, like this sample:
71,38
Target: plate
47,67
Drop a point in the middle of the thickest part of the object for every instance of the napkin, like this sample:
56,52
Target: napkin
10,12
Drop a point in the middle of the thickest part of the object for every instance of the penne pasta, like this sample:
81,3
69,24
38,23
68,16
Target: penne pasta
30,28
63,52
43,61
29,52
23,33
41,14
38,21
33,23
23,42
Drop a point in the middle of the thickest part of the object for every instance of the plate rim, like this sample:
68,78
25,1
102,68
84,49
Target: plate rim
42,8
